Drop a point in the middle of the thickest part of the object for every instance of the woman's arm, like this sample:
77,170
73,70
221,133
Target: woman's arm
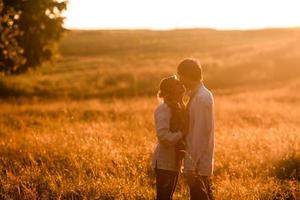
162,124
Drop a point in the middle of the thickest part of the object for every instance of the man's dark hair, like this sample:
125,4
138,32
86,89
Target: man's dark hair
190,68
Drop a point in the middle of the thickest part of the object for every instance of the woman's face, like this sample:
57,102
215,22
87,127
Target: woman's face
179,91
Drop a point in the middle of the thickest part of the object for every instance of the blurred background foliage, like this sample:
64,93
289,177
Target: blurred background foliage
28,33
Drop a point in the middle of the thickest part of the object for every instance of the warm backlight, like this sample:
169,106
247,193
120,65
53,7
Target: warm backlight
169,14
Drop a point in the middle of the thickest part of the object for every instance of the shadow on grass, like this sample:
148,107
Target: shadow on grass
127,84
117,87
6,92
288,168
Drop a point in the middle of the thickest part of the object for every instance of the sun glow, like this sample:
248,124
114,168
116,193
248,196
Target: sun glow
170,14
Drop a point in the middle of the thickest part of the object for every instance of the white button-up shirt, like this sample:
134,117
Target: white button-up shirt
200,138
164,155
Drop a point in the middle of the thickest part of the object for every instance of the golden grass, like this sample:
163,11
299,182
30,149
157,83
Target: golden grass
95,149
69,132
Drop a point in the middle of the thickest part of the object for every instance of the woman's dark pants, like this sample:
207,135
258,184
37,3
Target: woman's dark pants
166,181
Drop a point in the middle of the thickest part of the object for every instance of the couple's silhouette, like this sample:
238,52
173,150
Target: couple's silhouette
185,133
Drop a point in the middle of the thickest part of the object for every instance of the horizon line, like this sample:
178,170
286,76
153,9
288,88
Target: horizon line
177,28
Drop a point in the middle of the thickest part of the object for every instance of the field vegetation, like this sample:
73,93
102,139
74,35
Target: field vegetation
82,127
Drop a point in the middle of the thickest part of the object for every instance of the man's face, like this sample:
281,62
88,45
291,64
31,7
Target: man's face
184,80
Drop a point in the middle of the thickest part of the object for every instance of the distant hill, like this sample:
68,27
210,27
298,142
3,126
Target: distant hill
127,63
228,57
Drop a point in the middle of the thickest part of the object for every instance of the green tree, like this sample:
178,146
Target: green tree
11,54
38,26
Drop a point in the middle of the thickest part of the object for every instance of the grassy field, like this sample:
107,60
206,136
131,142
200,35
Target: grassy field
82,127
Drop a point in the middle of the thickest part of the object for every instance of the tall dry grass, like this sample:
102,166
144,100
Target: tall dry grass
84,128
94,149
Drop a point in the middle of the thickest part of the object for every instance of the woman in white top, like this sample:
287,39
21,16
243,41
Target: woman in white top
170,125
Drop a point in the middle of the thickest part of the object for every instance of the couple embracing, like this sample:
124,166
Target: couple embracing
185,133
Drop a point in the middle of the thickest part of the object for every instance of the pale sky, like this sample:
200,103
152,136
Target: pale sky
170,14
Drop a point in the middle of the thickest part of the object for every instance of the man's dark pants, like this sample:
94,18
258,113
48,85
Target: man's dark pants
200,187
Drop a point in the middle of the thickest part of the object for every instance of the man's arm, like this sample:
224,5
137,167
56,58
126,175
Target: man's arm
203,128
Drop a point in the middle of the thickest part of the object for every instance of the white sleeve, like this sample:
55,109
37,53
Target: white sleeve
203,114
162,123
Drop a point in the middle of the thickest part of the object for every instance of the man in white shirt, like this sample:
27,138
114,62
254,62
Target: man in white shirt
198,162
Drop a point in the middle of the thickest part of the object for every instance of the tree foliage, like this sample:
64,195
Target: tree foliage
11,53
29,30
